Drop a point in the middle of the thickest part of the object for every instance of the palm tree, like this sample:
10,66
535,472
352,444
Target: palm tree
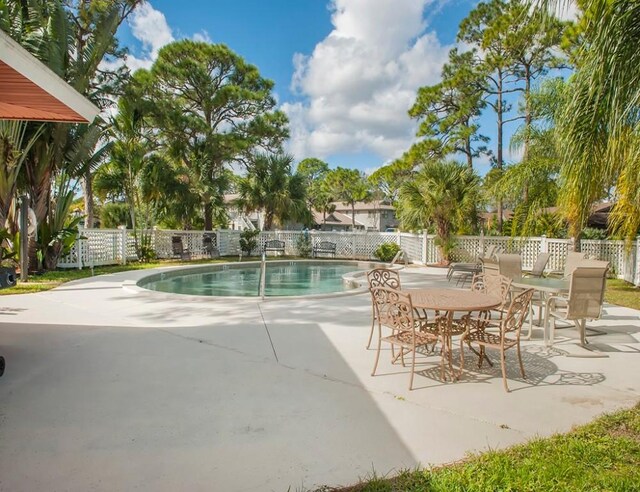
270,187
599,128
443,194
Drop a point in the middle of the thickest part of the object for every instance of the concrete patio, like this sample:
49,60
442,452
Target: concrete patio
110,390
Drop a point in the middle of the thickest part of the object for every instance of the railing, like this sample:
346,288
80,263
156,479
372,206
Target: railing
117,246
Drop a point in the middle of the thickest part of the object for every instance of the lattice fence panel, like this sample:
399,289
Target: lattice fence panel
412,245
468,248
558,249
621,259
70,260
343,240
101,246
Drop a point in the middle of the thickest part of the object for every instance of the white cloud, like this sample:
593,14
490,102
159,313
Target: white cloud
358,83
150,27
202,36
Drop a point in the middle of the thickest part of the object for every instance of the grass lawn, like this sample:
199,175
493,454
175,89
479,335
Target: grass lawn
622,293
603,455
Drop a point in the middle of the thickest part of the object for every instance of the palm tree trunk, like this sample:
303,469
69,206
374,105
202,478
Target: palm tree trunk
87,185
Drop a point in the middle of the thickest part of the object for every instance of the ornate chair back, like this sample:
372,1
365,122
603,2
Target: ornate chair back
517,312
384,277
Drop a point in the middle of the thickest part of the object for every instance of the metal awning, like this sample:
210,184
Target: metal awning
29,90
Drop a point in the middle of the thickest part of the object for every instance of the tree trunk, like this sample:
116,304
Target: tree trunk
467,146
87,185
527,124
499,163
208,216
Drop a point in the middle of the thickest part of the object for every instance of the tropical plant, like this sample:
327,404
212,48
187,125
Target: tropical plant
115,214
271,188
599,127
443,193
348,186
212,109
7,253
449,111
303,245
248,240
386,251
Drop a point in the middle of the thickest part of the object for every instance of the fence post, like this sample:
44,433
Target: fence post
424,248
572,244
123,244
636,276
544,247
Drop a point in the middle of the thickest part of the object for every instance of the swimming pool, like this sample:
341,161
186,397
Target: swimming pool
282,279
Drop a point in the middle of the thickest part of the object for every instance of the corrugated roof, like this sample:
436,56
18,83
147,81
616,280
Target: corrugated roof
30,91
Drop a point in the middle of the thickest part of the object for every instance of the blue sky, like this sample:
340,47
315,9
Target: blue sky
345,71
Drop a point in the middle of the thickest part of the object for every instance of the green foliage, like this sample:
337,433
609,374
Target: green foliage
388,179
348,186
7,252
113,215
593,233
144,248
212,108
249,241
303,245
442,194
448,111
270,187
386,251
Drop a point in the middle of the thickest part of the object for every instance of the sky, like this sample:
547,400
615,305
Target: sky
345,71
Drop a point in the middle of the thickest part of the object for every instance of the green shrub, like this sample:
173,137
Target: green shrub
248,241
386,251
113,215
593,233
303,245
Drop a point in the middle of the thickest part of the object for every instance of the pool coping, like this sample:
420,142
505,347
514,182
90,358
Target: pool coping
354,278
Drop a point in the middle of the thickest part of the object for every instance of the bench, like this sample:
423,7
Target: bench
324,247
208,247
274,245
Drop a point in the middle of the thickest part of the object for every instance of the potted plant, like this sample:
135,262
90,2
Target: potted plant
7,260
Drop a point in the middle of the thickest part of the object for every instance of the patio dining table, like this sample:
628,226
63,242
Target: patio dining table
451,301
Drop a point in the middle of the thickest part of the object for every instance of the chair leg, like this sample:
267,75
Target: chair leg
503,362
375,365
413,367
520,361
373,324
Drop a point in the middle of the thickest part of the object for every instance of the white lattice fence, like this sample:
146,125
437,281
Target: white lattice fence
412,245
101,247
621,257
558,249
467,248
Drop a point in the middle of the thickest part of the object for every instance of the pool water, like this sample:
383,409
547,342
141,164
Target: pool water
281,279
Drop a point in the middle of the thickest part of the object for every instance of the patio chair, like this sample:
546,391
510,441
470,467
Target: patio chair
539,265
494,285
208,247
178,250
571,262
507,336
584,302
466,271
380,277
409,332
510,265
489,266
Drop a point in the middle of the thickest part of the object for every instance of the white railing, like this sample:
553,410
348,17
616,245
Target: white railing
118,246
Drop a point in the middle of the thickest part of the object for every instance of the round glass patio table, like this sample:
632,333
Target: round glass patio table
452,301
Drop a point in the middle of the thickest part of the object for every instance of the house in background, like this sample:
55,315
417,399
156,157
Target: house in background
374,216
335,221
